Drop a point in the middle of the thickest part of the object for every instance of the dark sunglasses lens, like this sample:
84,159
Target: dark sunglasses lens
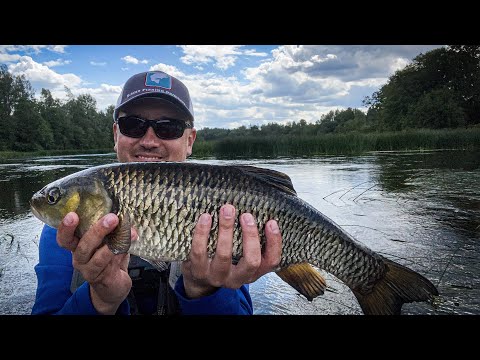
132,126
170,129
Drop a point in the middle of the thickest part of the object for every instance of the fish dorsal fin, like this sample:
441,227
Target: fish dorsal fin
272,177
305,279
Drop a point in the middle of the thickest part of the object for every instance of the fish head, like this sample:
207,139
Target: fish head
85,195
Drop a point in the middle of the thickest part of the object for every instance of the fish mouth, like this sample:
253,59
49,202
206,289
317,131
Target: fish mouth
35,201
35,212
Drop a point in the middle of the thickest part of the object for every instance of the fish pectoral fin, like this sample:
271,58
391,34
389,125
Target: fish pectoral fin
305,279
119,240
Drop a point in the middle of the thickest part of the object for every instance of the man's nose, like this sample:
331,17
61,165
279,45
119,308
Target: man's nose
149,139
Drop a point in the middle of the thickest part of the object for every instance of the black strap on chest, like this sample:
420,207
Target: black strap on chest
150,294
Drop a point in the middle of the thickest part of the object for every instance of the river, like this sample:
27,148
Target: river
421,209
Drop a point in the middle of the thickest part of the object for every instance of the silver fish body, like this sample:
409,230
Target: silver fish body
163,201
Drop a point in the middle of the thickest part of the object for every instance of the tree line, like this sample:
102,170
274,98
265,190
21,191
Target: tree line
438,90
30,124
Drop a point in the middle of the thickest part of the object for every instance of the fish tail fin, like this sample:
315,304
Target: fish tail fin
305,279
399,285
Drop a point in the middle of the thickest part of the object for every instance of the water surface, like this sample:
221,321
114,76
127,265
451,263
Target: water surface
421,209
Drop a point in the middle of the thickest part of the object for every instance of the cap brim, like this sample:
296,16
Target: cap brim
159,96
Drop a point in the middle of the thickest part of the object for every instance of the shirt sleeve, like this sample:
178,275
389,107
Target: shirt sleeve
54,275
222,302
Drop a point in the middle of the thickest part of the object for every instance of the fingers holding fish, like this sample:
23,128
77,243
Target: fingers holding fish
93,238
246,269
198,253
134,234
273,249
65,234
221,262
95,268
195,269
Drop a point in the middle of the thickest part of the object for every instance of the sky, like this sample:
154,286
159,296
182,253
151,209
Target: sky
230,85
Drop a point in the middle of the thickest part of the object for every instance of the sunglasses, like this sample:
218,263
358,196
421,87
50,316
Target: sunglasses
165,128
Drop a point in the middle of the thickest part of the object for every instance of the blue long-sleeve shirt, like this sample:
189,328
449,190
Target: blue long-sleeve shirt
54,274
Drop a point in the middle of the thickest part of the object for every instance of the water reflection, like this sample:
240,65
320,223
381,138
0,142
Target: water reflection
420,209
19,181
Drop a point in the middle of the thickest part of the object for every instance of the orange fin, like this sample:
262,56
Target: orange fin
305,279
119,240
399,285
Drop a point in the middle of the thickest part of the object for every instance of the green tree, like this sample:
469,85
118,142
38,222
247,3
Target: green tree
438,109
31,131
13,89
55,115
451,72
466,79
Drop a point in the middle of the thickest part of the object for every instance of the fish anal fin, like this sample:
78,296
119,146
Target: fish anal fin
119,240
399,285
305,279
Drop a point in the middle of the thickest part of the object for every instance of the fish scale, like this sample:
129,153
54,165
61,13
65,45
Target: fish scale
163,201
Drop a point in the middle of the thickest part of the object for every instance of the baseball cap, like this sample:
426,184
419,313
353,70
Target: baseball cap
155,84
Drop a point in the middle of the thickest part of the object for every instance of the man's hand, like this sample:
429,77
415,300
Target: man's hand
203,275
106,273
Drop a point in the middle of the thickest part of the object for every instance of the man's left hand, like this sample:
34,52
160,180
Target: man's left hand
203,275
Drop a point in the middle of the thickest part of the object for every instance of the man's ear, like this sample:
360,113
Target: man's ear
114,129
190,140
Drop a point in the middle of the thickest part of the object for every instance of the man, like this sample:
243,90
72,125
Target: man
153,121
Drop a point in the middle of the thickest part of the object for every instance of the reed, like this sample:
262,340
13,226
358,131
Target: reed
352,143
337,144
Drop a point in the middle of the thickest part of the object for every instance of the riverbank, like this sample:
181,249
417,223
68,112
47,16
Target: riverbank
310,145
22,155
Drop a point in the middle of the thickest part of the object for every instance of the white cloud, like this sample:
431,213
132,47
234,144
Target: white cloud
169,69
297,82
40,75
58,62
253,52
33,48
288,84
223,56
94,63
6,58
132,60
105,94
58,48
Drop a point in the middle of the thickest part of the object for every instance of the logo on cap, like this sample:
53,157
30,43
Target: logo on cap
158,79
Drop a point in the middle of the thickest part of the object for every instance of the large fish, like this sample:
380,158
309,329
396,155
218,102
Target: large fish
163,201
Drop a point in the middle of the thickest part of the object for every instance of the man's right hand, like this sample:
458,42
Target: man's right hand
106,273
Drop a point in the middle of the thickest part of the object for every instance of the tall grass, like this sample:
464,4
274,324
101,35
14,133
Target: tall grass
336,144
311,145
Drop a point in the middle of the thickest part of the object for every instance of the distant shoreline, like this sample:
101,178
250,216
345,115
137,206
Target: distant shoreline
351,143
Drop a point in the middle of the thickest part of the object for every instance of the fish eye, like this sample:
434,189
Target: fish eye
53,195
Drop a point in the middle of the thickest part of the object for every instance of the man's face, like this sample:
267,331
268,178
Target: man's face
150,147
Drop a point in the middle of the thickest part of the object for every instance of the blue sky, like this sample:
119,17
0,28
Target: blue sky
230,85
